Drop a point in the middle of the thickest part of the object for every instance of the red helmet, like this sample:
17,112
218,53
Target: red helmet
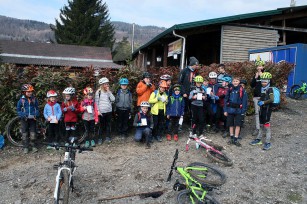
27,87
51,93
88,90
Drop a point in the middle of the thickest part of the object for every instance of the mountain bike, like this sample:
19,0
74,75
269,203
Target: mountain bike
296,91
14,134
199,179
66,169
211,150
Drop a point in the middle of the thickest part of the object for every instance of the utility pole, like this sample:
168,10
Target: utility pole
132,41
293,2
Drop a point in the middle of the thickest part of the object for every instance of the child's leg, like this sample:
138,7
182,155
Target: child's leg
67,130
267,128
194,118
120,121
200,120
155,127
108,117
87,129
147,133
138,134
50,135
125,123
32,127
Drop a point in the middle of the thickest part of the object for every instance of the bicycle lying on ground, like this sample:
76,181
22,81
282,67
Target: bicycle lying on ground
296,91
14,134
199,179
66,169
209,149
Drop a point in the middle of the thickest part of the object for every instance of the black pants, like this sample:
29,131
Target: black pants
174,125
122,121
158,123
105,124
28,125
89,126
53,133
70,129
265,114
197,119
208,113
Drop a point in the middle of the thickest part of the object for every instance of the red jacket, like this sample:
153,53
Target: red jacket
221,93
69,115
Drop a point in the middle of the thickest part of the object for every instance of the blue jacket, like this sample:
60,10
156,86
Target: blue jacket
27,106
236,100
52,110
175,105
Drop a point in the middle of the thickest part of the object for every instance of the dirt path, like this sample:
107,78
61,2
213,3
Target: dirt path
275,176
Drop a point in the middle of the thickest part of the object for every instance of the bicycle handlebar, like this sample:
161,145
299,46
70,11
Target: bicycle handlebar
70,146
173,165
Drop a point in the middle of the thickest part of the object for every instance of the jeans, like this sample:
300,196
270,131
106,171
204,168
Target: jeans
256,99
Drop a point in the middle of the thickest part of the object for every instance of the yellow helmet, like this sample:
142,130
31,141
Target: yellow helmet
266,75
199,79
260,63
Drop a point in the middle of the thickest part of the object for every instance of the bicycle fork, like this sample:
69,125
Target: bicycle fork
58,181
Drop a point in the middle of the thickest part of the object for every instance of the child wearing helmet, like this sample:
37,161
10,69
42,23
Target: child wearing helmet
52,114
144,88
27,110
213,100
70,108
174,111
123,101
104,99
90,116
143,122
197,97
168,79
158,99
265,104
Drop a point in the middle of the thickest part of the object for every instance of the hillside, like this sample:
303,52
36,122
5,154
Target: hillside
29,30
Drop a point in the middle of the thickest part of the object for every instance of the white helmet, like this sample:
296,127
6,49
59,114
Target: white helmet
212,75
103,80
69,90
144,104
51,93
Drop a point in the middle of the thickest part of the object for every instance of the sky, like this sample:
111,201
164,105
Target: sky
162,13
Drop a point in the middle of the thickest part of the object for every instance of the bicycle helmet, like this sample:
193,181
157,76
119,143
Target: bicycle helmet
146,75
260,63
27,87
243,81
199,79
177,86
212,75
103,80
51,93
165,77
123,81
69,90
163,84
145,104
227,79
88,90
266,75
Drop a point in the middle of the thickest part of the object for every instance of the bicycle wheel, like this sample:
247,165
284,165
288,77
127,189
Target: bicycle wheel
221,158
80,132
295,92
206,174
186,196
63,188
13,131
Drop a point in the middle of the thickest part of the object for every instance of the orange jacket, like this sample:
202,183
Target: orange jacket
143,92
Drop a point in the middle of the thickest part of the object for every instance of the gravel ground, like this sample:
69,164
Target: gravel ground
125,167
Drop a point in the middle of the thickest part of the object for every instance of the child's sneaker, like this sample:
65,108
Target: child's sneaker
237,143
267,146
87,144
99,141
159,138
175,138
168,137
93,143
231,141
255,142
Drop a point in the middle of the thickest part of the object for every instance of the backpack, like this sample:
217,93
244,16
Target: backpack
276,93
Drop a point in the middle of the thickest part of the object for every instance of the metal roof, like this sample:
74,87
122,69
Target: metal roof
221,20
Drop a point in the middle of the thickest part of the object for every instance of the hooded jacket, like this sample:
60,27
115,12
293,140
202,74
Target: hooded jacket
27,106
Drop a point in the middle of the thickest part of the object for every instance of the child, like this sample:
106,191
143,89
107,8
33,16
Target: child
144,88
168,79
213,99
158,99
104,99
221,73
123,101
265,101
143,122
234,109
174,111
197,96
70,108
52,113
27,110
89,116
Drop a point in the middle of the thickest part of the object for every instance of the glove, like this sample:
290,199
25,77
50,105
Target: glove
260,103
72,108
65,109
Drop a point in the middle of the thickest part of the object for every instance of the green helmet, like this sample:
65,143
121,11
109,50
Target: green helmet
199,79
260,63
266,75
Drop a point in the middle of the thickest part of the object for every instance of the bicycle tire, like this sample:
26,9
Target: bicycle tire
293,94
184,197
211,177
63,188
13,131
221,158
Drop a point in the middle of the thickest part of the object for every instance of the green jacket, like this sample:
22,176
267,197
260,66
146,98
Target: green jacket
156,100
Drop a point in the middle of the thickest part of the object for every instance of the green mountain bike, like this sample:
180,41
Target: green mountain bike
297,91
199,179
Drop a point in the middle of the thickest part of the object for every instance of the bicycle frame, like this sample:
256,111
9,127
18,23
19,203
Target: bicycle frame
57,179
201,141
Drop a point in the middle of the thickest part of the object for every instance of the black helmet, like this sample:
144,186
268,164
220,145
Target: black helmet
243,81
146,75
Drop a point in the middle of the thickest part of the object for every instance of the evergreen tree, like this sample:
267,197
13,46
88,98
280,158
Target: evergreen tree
122,52
85,22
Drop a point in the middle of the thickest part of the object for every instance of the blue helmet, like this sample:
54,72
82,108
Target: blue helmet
227,79
123,81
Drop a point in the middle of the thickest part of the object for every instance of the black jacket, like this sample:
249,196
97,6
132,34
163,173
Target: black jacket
256,85
186,80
